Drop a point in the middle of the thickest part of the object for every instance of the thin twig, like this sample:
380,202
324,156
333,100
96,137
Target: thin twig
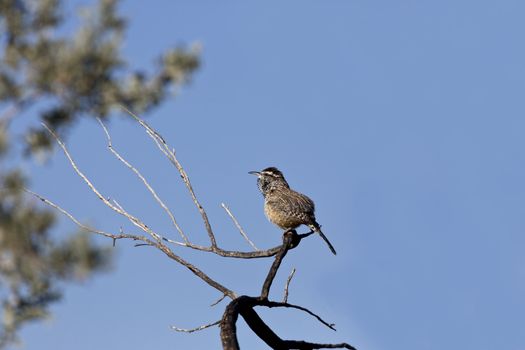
200,328
285,298
174,242
239,227
81,225
143,179
170,154
219,300
292,306
231,294
117,204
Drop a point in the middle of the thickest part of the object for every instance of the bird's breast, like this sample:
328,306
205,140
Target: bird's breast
283,217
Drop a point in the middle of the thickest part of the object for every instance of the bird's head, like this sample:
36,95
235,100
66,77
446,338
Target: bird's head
269,178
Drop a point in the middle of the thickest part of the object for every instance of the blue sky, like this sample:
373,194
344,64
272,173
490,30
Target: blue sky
403,120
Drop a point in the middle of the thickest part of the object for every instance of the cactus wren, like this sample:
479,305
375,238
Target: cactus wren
285,207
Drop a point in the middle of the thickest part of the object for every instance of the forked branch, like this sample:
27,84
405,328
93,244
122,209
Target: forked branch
244,306
239,227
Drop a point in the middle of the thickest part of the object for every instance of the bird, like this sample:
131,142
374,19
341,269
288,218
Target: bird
285,207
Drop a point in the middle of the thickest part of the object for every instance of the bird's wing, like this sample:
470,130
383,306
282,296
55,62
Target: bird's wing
298,203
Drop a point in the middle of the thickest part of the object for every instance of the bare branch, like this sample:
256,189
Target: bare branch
200,328
285,297
228,253
239,227
143,179
170,154
81,225
117,204
288,238
244,306
174,242
237,254
303,345
231,294
219,300
278,304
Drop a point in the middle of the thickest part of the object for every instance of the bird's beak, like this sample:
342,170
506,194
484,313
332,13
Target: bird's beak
254,173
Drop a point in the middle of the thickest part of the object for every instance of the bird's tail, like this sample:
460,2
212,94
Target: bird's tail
317,228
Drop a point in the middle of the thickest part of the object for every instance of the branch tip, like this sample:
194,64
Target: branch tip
200,328
239,227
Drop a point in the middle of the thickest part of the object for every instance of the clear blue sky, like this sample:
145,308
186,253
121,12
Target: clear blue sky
403,120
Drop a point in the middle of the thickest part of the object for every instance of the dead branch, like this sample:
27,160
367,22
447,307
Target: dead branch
239,227
237,254
244,306
271,304
81,225
218,300
288,280
200,328
288,238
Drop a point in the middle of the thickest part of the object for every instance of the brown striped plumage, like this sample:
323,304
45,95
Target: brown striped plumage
285,207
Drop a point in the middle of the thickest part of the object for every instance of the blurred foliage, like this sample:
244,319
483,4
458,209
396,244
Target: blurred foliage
79,75
31,263
63,77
